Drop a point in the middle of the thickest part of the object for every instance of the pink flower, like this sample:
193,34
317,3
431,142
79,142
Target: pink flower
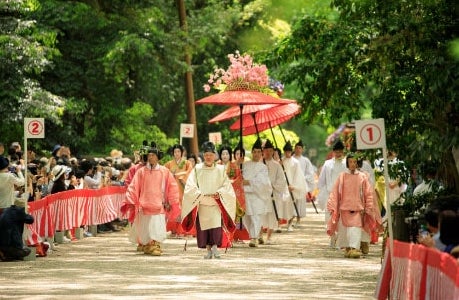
241,74
206,88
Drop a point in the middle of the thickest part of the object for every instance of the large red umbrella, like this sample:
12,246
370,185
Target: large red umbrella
266,119
234,111
241,98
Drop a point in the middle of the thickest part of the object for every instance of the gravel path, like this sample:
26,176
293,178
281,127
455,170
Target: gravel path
299,265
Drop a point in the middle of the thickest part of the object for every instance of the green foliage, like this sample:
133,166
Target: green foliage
133,127
25,53
391,57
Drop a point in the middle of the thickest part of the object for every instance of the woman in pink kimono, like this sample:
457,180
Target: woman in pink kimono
351,208
152,192
180,167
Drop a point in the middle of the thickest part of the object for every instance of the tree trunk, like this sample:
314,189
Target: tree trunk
189,82
449,170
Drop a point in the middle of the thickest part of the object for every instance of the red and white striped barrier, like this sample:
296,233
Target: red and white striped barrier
418,272
74,208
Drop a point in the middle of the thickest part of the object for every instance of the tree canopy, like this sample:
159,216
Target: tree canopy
392,57
109,73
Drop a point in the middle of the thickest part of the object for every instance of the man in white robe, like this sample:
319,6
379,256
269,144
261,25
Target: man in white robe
306,166
209,202
257,189
274,213
327,178
297,188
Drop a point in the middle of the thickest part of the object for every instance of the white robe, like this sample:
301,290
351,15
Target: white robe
258,192
280,189
257,195
296,180
201,183
308,172
328,175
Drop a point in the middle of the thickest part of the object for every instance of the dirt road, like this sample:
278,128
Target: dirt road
299,265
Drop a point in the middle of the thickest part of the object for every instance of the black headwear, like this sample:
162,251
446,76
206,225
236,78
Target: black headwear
339,145
268,145
300,143
288,146
155,150
257,144
208,147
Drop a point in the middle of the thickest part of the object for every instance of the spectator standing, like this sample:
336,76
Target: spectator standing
10,178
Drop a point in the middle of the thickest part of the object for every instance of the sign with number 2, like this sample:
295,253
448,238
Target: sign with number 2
34,128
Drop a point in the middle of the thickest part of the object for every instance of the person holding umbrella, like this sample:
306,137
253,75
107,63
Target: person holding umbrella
258,190
275,212
308,171
296,185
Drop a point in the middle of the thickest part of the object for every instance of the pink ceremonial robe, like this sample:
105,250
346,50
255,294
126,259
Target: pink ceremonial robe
151,190
351,200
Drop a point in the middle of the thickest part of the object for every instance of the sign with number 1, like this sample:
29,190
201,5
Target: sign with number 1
370,134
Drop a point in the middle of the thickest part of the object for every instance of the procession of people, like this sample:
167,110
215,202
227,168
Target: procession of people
226,197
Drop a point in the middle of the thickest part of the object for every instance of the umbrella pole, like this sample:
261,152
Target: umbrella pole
240,125
285,140
272,133
255,123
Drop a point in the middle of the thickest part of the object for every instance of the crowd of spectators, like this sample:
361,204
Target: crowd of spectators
38,177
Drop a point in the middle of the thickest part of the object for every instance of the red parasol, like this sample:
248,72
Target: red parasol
241,98
266,119
234,111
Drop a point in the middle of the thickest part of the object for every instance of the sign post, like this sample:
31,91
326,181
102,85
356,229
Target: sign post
370,134
34,128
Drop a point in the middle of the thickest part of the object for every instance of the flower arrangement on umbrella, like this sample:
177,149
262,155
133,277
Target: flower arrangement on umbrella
244,82
242,74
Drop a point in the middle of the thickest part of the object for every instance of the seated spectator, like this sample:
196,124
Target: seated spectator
448,224
449,233
12,221
432,240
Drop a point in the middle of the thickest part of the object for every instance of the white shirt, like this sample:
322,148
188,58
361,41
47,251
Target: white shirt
8,181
